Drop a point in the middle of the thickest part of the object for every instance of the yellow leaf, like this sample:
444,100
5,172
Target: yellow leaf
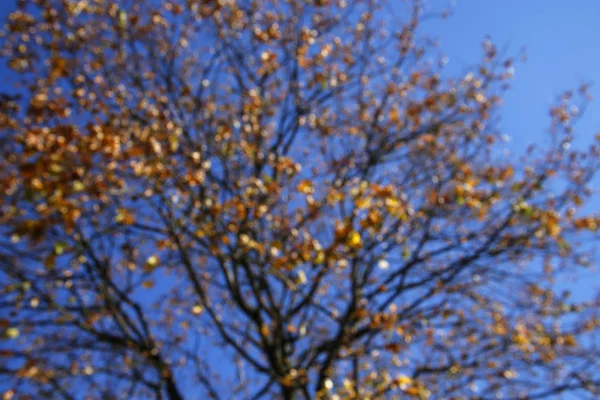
148,284
151,263
354,240
59,248
39,100
405,253
509,374
521,339
197,309
122,19
264,330
552,227
55,168
392,202
301,277
320,258
412,391
11,333
569,341
125,217
362,203
306,186
34,302
403,380
78,186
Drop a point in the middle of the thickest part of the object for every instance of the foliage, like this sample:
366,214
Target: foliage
279,199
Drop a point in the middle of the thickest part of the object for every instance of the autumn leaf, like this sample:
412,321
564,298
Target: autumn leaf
11,333
353,240
306,187
151,263
125,217
148,284
197,309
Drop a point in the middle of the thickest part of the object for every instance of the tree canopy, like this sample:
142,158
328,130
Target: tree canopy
264,199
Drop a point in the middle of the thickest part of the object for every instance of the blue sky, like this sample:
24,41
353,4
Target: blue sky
562,45
561,41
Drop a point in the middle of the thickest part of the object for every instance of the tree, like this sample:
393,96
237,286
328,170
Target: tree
257,199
